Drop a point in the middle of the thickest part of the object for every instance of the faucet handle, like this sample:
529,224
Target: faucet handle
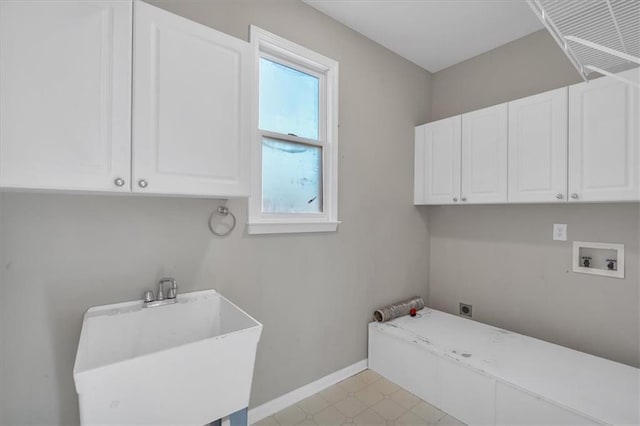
148,296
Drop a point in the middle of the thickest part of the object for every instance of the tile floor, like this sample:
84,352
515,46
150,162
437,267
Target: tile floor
366,399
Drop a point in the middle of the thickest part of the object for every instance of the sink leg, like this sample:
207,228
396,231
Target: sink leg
239,418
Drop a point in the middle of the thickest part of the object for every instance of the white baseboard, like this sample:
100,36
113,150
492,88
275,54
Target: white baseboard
268,408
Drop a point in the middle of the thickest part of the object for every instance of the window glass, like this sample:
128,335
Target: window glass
289,100
291,177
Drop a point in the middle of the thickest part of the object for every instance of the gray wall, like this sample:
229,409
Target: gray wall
502,258
529,65
314,293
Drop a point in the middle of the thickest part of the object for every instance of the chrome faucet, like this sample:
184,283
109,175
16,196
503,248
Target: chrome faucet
160,299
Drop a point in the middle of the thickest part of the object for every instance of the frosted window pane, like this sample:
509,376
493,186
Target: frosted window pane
291,177
289,100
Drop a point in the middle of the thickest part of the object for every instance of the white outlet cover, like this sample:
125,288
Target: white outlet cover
560,232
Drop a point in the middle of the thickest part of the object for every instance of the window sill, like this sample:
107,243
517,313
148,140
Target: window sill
291,228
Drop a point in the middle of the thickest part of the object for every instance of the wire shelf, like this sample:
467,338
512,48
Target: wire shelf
595,34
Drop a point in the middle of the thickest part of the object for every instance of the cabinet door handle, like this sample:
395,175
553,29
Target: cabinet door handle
455,199
464,200
118,181
574,196
559,196
142,183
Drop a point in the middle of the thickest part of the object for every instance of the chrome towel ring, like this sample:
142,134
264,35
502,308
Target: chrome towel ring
222,211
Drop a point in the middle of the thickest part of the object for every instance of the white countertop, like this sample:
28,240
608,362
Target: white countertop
603,389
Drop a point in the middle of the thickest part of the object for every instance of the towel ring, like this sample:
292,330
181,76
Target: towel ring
222,211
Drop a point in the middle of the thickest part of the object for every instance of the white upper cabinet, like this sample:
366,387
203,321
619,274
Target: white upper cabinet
437,162
538,148
604,140
66,104
192,111
484,156
65,79
576,144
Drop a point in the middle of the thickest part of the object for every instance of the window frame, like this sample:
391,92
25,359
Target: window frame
280,50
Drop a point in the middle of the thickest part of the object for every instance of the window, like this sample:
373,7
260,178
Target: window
295,152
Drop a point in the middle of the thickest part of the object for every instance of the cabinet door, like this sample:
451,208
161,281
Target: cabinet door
437,162
604,140
65,79
191,107
484,156
538,148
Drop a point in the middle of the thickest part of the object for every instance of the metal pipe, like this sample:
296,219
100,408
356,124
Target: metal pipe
395,310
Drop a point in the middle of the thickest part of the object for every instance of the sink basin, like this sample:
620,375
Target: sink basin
187,363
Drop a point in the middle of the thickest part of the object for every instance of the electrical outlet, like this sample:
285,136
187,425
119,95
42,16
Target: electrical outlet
466,310
560,232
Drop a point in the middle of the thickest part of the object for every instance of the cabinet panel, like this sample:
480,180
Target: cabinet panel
538,148
484,156
466,394
438,162
65,79
514,407
397,362
191,107
604,140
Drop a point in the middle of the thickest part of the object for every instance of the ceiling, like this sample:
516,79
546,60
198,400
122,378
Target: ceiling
435,34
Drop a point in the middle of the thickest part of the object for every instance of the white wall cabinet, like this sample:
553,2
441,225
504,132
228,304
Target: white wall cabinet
604,140
462,159
65,95
66,118
576,144
437,162
538,148
192,107
484,156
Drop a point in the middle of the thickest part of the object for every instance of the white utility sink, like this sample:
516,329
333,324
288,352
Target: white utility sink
188,363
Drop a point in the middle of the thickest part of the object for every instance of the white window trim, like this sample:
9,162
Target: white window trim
269,223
